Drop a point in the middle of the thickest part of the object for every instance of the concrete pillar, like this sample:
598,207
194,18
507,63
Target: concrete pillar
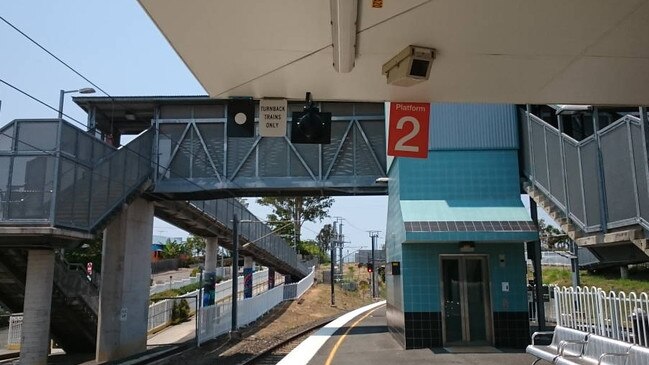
35,336
211,248
624,272
271,278
124,293
247,276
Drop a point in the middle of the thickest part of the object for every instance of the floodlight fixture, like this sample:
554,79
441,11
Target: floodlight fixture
344,14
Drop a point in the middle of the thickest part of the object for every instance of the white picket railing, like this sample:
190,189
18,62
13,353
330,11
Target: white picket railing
549,306
620,315
216,320
15,328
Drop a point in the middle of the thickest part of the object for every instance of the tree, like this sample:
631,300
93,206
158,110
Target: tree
173,249
196,245
325,237
311,248
552,237
297,210
88,251
243,201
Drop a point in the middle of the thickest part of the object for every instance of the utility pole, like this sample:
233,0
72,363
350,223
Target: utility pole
574,263
340,246
538,275
374,235
333,261
297,217
235,271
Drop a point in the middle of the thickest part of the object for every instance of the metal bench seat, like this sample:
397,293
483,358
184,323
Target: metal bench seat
566,340
598,350
638,355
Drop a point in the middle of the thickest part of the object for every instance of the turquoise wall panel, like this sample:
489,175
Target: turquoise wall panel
460,175
395,235
421,275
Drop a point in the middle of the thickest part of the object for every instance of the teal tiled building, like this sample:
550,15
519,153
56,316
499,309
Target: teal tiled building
456,232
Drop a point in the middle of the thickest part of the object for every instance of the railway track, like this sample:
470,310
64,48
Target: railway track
276,352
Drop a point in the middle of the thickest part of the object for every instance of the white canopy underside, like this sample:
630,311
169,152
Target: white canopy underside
513,51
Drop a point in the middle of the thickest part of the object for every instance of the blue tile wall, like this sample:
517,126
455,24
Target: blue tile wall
421,276
395,235
460,175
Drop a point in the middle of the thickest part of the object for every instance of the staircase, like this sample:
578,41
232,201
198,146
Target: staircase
553,211
595,188
77,185
73,324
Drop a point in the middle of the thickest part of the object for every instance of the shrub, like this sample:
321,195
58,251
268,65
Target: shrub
180,311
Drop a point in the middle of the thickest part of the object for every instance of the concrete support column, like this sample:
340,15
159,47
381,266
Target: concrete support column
624,272
271,278
247,276
124,293
574,264
211,248
35,336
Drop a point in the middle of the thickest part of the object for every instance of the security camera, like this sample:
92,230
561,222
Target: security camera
410,66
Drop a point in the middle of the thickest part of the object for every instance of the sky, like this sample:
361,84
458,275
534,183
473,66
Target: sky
116,46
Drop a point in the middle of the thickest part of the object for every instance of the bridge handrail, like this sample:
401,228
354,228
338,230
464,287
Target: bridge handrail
256,233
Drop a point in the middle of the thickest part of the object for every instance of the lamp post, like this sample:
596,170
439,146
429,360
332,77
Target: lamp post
85,90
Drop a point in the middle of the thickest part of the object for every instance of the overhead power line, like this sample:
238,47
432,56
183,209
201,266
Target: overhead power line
51,54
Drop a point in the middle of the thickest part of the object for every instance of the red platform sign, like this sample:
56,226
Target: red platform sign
408,130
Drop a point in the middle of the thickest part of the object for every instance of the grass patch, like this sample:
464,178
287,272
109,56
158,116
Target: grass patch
607,279
173,292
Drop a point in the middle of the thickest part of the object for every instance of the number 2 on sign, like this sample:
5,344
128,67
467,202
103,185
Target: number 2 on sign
401,143
408,130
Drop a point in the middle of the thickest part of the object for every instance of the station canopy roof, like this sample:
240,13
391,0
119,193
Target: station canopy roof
512,51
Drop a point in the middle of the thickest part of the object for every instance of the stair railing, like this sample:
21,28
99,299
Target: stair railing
596,194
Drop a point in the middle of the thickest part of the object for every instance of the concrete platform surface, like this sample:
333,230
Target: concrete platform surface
174,334
366,340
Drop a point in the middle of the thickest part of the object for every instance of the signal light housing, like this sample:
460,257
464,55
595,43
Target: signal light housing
311,126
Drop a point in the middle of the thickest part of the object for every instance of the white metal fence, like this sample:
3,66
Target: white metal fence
160,312
216,320
620,315
15,328
176,284
295,290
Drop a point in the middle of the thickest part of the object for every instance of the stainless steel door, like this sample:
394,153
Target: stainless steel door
465,300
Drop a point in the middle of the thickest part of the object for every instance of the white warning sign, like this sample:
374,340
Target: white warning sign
272,117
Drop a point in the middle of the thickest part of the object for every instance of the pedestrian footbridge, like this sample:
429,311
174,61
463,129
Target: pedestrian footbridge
60,185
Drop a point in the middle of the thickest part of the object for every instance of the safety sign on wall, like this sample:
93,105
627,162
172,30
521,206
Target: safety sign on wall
408,130
272,117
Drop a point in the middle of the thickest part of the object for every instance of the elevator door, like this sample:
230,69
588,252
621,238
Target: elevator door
465,300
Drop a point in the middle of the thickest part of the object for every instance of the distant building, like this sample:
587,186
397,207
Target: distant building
365,256
157,245
161,240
